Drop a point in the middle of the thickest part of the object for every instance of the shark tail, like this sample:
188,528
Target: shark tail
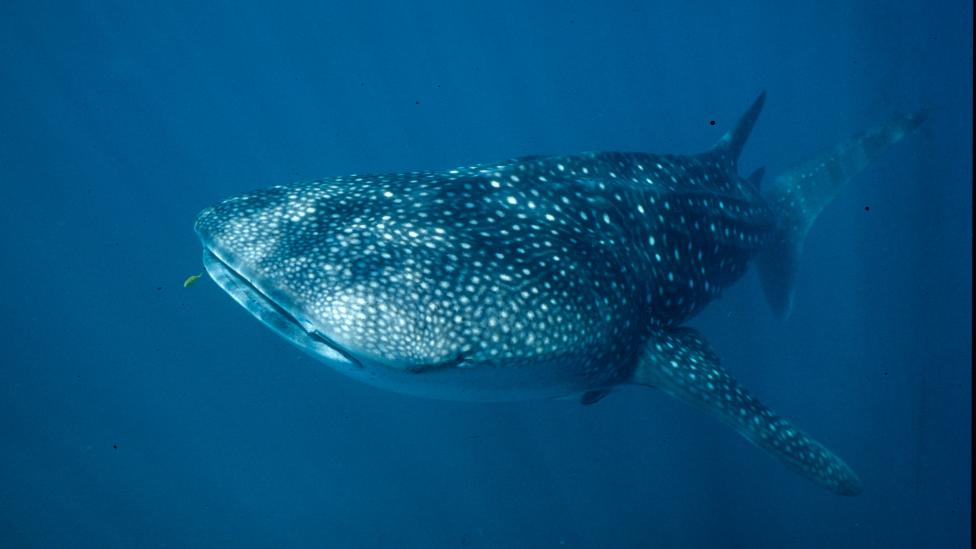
799,195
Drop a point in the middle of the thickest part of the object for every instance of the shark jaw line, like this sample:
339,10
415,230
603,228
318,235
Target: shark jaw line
272,314
310,339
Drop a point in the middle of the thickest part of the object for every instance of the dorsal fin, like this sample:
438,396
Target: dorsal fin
729,147
755,178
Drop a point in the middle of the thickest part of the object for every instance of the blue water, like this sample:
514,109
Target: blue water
134,412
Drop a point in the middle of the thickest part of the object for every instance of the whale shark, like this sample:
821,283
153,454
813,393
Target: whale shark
540,276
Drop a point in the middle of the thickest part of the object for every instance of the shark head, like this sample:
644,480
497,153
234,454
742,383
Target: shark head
389,274
328,280
246,251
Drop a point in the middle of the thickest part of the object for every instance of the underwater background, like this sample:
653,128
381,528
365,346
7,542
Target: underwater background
135,412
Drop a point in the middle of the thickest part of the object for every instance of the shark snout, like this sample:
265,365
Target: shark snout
243,225
202,223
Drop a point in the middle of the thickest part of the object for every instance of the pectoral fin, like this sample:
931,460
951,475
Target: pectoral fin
592,397
681,363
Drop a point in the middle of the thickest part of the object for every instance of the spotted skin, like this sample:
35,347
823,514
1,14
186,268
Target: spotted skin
544,276
570,258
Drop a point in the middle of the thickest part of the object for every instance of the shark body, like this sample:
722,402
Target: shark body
538,277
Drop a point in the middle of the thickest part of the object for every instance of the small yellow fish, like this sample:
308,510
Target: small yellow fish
190,280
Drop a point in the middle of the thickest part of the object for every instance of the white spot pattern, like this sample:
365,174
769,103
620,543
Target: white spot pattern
503,264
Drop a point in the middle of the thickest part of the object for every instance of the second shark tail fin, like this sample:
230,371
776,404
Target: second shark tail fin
799,195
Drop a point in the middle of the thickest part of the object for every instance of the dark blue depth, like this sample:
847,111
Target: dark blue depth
135,412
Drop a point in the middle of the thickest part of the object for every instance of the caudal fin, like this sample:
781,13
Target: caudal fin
799,195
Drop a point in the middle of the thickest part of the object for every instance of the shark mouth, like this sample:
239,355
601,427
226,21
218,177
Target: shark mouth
304,334
274,315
